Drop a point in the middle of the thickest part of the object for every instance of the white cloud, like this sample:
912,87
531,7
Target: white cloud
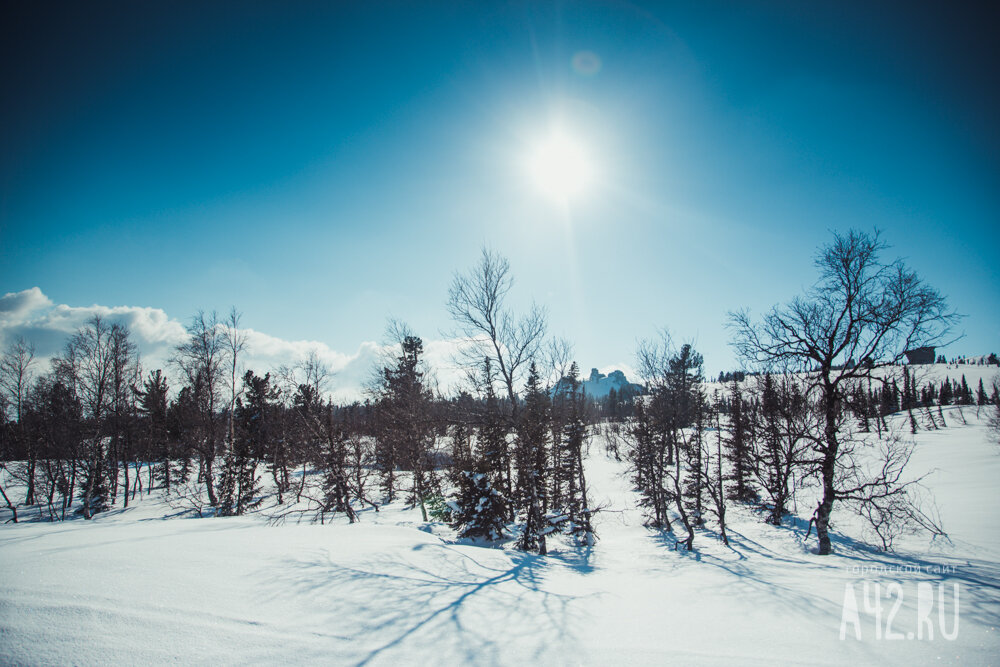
34,316
47,325
16,306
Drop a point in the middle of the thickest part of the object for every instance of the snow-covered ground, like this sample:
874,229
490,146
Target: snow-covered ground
138,587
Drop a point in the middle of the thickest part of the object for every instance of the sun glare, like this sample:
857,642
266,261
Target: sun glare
560,167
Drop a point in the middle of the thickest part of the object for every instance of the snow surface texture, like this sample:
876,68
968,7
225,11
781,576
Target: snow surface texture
139,586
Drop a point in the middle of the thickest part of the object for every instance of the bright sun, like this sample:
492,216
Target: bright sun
560,167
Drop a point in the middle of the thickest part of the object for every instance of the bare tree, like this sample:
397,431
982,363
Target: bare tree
234,341
15,373
477,304
202,360
15,379
863,313
125,375
87,366
876,487
558,353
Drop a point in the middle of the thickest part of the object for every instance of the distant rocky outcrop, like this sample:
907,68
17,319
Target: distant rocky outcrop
599,385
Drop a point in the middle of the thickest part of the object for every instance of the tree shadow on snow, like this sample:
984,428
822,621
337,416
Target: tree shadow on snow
437,600
753,564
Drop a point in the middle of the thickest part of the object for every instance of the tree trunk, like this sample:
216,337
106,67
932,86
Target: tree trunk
127,480
679,499
10,505
210,482
89,490
827,472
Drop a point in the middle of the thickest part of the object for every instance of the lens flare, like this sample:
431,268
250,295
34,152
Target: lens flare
586,63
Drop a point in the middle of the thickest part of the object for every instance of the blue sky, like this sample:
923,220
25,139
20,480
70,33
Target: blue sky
325,166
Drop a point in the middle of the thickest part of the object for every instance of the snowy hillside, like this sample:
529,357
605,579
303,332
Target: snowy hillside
145,586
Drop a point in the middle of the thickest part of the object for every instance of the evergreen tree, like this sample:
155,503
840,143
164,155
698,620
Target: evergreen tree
783,423
613,403
334,430
94,485
859,404
461,446
407,429
694,450
480,509
668,455
909,397
572,512
889,402
681,401
531,458
239,484
964,393
739,448
492,442
945,393
153,408
184,429
647,456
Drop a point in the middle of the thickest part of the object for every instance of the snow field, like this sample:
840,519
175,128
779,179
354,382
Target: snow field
133,587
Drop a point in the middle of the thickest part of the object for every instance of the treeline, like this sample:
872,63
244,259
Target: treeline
95,430
502,457
990,359
758,442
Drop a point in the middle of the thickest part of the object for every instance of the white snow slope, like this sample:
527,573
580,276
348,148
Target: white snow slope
136,587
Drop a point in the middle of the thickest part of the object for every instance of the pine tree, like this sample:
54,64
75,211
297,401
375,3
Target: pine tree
613,410
239,484
890,399
945,393
859,404
782,428
681,398
909,398
407,431
739,449
461,446
479,510
492,441
964,393
335,432
647,455
492,445
531,457
153,408
694,450
94,485
572,514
